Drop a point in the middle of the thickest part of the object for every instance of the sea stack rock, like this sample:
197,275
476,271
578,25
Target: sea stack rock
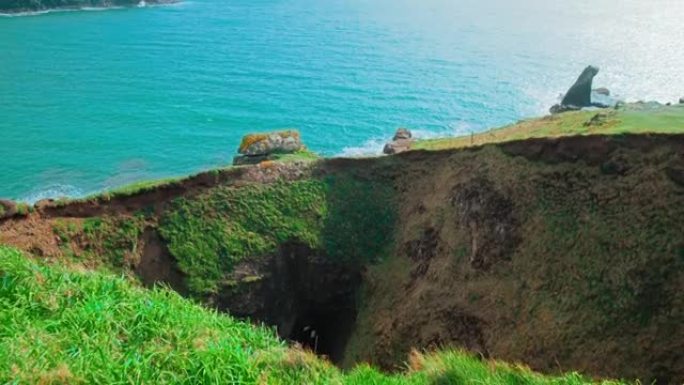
579,95
681,100
259,147
401,142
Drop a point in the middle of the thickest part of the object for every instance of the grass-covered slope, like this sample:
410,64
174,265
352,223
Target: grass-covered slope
60,326
212,232
637,118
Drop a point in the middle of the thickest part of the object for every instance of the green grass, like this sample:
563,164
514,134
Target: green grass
58,326
209,234
632,119
299,156
109,240
139,187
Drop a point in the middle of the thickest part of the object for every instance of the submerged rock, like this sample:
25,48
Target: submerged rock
401,142
256,148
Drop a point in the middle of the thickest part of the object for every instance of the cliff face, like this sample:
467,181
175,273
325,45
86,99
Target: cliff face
39,5
564,254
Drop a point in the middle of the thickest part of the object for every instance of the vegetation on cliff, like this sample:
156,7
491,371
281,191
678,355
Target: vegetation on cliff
210,233
637,118
59,326
563,253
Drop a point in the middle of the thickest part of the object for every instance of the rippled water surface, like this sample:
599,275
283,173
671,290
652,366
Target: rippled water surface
95,99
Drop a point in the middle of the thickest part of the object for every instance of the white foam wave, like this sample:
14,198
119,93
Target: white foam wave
374,146
371,147
53,191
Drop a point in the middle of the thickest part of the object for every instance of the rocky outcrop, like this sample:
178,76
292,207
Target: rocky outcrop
579,95
681,100
256,148
401,142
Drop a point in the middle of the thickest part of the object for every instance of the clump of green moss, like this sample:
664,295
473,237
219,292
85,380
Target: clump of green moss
346,219
115,238
112,240
209,234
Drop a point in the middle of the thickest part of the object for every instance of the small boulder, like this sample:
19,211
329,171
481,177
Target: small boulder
401,142
8,208
281,142
602,91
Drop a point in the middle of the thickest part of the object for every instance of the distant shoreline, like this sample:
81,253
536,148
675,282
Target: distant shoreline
75,6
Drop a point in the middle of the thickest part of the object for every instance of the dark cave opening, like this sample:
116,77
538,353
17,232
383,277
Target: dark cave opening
325,328
309,299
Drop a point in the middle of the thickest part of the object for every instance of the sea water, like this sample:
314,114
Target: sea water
93,100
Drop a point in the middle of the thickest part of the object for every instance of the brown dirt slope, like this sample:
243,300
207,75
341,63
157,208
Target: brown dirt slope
563,254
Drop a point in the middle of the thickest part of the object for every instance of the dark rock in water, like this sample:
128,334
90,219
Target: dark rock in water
280,142
401,142
681,100
579,94
403,133
602,91
7,208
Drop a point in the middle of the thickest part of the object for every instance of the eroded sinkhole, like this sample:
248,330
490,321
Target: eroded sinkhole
309,299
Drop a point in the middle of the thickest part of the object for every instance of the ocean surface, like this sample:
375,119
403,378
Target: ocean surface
91,100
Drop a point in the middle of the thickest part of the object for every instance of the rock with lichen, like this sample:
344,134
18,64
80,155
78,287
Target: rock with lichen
280,142
255,148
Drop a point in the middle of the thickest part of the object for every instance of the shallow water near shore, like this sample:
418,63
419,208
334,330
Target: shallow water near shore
93,100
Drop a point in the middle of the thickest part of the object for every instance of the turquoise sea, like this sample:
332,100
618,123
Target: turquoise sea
91,100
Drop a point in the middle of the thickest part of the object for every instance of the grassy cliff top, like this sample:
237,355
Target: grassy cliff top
637,118
61,326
